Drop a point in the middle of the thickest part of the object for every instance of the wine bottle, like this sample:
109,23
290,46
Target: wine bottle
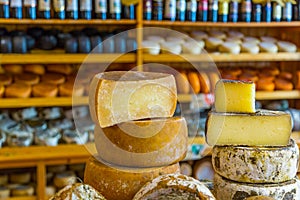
213,10
191,10
203,10
277,12
257,12
129,11
245,10
157,10
30,9
115,9
147,9
170,10
59,9
44,9
16,9
287,12
267,12
101,9
85,9
233,11
181,10
72,9
4,8
223,11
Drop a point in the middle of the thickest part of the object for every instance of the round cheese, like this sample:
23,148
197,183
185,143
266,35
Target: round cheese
217,34
192,47
171,47
3,179
20,178
251,40
199,35
5,79
27,78
56,168
268,39
259,198
182,83
186,169
174,39
249,47
116,183
18,90
150,47
225,189
194,81
268,47
235,34
63,179
50,191
35,69
22,190
256,165
68,89
174,186
230,47
143,143
286,46
44,90
155,38
2,90
234,40
212,43
4,192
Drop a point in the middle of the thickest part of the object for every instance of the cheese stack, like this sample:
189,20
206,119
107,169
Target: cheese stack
253,154
136,136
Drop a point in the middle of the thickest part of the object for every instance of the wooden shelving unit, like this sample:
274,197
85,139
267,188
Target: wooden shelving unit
58,22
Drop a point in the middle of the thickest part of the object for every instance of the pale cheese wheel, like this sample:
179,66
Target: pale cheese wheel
20,178
203,169
63,179
150,47
230,47
251,40
235,34
171,47
217,34
199,35
3,179
174,186
143,143
284,46
50,191
4,192
121,96
22,190
155,38
174,39
268,39
182,83
186,169
268,47
116,183
249,47
256,165
234,40
192,48
212,43
225,189
56,168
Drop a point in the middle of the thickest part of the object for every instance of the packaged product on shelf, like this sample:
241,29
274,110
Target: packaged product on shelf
16,9
30,7
4,9
44,8
59,9
101,9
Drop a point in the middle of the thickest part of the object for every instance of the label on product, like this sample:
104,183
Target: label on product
85,5
203,5
115,6
148,6
181,5
100,6
4,2
72,5
44,5
277,11
234,8
30,3
16,3
246,7
223,8
192,6
58,5
213,5
170,9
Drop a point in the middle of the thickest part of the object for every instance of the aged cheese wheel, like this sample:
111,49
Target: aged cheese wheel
60,68
264,85
214,77
204,82
171,47
174,186
217,34
47,42
13,69
199,35
249,47
225,189
5,79
268,39
213,43
286,46
18,90
268,47
282,84
259,198
53,78
3,179
35,69
186,169
116,183
194,81
248,77
50,191
143,143
22,190
182,83
234,40
63,179
150,47
256,165
26,78
120,96
4,192
286,75
20,178
56,168
44,90
192,48
253,40
235,34
67,90
230,47
298,80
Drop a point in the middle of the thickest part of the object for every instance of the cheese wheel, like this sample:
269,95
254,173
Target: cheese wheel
284,46
22,190
3,179
18,90
13,69
225,189
282,84
171,47
60,68
174,186
268,39
155,38
265,85
5,79
192,47
116,183
20,178
286,75
268,47
53,78
259,198
77,167
186,169
194,81
199,35
230,47
4,192
56,168
68,90
251,40
203,169
121,96
150,47
234,40
235,34
249,47
274,71
175,39
213,43
44,90
63,179
144,143
217,34
35,69
182,83
2,90
50,191
204,82
256,165
248,77
29,79
214,77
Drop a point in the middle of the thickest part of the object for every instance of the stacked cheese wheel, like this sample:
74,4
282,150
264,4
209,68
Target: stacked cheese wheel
253,153
136,136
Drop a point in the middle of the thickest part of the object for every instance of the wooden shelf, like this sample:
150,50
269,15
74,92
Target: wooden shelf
65,58
55,22
220,24
276,95
23,198
243,57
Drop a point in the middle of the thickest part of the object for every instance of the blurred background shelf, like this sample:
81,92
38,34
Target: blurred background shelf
54,22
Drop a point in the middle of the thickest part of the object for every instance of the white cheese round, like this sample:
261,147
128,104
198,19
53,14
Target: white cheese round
235,34
268,47
230,47
212,43
171,47
249,47
191,48
225,189
251,40
199,35
268,39
286,46
255,164
150,47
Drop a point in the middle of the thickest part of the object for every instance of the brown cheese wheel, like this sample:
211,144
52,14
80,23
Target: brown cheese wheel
20,178
53,78
67,90
5,79
248,77
266,76
13,69
44,90
214,78
265,85
183,86
233,71
286,75
18,90
274,71
2,89
204,82
35,69
194,81
60,68
63,179
282,84
29,79
229,76
298,80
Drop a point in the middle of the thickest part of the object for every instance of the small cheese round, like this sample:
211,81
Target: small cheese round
60,68
182,83
235,34
192,48
18,90
268,47
5,79
186,169
22,190
199,35
251,40
249,47
4,192
29,79
56,168
151,47
20,178
53,78
194,81
284,46
177,40
230,47
268,39
217,34
171,47
44,90
50,191
265,85
234,40
213,43
203,169
68,90
204,83
282,84
35,69
63,179
116,182
13,69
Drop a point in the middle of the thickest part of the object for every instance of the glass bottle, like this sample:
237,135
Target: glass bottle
157,10
30,9
44,9
223,11
233,11
191,11
203,10
213,10
181,10
72,9
4,8
85,9
101,9
115,8
59,9
16,9
245,11
170,10
147,9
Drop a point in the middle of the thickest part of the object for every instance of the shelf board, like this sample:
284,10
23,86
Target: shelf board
276,95
243,57
220,24
65,58
54,22
23,198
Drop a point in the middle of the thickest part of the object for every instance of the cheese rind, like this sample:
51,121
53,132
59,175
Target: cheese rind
263,128
256,165
174,186
119,96
116,183
235,96
228,190
166,143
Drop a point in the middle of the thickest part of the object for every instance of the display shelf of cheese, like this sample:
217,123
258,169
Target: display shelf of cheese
22,198
242,57
54,58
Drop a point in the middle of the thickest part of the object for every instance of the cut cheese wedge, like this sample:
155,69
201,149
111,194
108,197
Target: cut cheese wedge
286,46
116,183
230,47
263,128
268,47
249,47
235,96
145,143
122,96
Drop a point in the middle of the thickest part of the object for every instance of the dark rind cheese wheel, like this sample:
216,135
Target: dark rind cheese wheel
35,32
71,45
96,44
30,42
47,42
84,44
131,45
53,32
120,44
5,44
19,44
108,44
62,38
90,31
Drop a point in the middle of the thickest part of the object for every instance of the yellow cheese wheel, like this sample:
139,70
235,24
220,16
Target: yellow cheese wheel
56,168
259,198
143,143
182,83
121,183
22,190
20,178
63,179
4,192
194,81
